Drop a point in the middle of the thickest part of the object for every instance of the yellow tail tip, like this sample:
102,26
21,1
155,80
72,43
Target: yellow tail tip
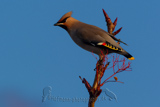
131,58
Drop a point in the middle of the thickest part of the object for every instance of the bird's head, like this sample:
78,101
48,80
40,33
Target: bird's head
66,21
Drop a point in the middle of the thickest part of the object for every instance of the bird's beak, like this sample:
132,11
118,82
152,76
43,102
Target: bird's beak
58,24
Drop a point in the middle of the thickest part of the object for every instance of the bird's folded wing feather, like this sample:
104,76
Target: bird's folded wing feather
100,39
106,45
116,39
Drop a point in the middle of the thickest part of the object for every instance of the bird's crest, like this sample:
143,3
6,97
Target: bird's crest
65,16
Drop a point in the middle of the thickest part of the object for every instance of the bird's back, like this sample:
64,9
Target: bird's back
90,33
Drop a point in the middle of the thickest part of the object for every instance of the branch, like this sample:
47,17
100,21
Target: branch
101,66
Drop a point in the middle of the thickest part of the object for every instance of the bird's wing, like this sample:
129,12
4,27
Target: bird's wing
118,40
108,45
97,38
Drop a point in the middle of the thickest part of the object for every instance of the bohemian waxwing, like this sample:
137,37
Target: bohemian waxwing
91,38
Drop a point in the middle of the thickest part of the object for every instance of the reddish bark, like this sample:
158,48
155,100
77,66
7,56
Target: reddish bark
102,65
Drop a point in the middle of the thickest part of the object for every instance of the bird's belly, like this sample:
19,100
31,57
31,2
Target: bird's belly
86,46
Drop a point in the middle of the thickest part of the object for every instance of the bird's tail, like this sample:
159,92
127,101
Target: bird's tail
129,56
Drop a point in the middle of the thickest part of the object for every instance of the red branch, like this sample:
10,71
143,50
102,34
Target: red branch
124,67
116,32
111,26
115,23
88,86
101,67
103,63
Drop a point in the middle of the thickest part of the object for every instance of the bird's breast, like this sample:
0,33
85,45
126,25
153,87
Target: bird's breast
83,44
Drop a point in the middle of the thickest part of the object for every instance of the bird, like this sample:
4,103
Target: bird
90,37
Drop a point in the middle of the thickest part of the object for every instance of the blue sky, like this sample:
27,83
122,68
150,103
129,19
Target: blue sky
35,54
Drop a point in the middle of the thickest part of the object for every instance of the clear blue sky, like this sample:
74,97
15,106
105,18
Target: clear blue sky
35,54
